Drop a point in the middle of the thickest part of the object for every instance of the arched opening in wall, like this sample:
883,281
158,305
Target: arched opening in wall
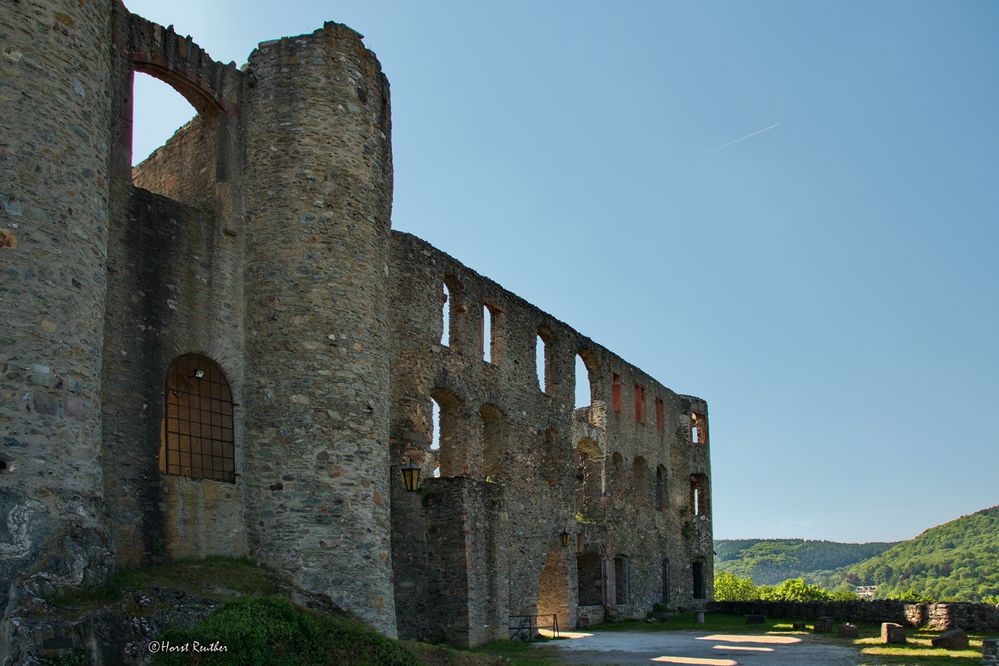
551,458
660,488
617,472
697,579
589,475
699,500
589,578
451,309
640,479
622,583
174,148
490,334
446,316
665,590
585,373
553,589
198,434
493,441
449,451
544,359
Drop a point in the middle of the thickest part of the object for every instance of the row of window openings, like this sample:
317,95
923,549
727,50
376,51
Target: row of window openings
589,575
487,341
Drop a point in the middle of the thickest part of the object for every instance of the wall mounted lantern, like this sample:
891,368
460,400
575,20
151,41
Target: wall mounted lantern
564,538
411,476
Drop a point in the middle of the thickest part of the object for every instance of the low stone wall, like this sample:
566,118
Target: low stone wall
936,616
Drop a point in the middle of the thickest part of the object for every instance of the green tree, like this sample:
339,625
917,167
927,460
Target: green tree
729,587
794,589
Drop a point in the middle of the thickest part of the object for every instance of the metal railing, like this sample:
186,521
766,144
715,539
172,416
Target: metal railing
526,627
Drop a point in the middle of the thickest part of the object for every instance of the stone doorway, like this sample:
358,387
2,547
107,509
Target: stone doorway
553,591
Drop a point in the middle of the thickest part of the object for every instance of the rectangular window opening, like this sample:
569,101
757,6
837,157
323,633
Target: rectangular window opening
616,392
639,403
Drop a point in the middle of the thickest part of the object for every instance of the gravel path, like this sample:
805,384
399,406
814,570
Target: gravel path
698,647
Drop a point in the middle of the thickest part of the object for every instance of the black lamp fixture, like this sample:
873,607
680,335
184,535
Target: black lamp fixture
564,538
411,476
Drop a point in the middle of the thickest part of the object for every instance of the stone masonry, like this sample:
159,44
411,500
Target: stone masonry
256,246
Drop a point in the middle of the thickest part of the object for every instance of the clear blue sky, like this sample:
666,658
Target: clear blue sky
828,285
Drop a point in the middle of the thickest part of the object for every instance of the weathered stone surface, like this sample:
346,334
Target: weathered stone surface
933,616
892,633
823,625
990,651
847,630
955,639
259,239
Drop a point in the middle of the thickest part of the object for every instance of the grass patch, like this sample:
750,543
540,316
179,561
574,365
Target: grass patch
271,630
516,653
217,577
918,649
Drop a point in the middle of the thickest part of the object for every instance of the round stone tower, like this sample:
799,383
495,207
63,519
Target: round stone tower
319,193
55,138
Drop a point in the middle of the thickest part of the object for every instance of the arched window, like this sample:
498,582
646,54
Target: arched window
640,481
198,430
699,500
448,433
493,441
544,358
661,488
584,373
452,309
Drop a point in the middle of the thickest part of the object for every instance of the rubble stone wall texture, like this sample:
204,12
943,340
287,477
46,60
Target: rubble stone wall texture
55,135
174,288
184,168
319,171
936,616
497,425
259,237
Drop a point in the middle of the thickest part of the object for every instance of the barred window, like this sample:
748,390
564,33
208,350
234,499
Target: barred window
198,432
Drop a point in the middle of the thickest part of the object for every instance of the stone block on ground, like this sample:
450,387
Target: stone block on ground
847,630
990,651
955,639
756,619
799,626
892,633
823,625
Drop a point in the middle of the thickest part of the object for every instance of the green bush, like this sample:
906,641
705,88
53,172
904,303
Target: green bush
270,630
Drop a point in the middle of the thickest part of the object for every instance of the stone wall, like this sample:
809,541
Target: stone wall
55,138
183,169
319,170
266,247
498,425
935,616
174,288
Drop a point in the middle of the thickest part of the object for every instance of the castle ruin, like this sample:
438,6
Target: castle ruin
227,351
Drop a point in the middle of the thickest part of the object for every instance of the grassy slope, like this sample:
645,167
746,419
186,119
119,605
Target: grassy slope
259,625
956,561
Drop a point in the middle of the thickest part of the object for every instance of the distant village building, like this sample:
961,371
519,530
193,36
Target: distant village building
865,592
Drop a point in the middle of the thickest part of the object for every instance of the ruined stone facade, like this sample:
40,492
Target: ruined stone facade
227,350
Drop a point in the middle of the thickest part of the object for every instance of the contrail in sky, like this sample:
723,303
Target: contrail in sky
732,143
